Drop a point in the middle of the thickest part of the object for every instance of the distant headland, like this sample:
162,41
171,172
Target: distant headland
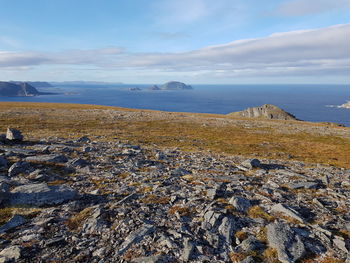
22,89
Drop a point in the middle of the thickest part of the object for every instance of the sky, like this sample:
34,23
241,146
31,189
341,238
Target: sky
194,41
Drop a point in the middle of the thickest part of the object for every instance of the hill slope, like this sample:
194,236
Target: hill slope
9,89
266,111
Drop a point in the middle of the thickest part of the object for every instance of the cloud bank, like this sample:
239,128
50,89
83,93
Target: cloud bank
298,53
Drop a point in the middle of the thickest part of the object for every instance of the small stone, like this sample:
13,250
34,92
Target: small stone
83,139
14,135
240,204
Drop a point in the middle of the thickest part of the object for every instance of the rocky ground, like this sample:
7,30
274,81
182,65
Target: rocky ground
91,201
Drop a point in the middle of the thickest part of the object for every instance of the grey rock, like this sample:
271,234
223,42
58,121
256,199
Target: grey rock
49,158
249,244
78,162
15,221
18,168
136,237
83,139
240,204
227,227
4,189
3,162
306,185
248,259
250,164
13,135
188,250
287,211
287,242
41,195
12,253
180,172
340,243
151,259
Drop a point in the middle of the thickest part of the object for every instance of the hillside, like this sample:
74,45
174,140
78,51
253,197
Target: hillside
94,183
22,89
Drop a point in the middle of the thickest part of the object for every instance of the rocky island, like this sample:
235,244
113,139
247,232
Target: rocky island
85,183
266,111
345,105
172,85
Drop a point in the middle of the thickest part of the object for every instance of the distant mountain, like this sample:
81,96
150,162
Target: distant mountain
69,83
175,85
22,89
266,111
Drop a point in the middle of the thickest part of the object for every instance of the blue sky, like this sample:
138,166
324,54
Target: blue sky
195,41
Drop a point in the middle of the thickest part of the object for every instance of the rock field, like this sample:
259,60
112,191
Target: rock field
91,201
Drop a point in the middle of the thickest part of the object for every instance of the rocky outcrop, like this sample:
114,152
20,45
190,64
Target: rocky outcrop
345,105
266,111
86,200
22,89
175,85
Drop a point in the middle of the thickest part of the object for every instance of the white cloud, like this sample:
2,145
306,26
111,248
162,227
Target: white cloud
307,7
298,53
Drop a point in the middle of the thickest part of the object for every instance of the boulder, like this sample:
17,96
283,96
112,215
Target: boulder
287,211
41,195
287,242
15,221
18,168
14,135
3,162
48,158
11,254
240,204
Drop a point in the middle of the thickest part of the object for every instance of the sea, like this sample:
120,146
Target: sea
315,103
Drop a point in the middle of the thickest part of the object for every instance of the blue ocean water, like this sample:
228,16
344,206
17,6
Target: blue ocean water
306,102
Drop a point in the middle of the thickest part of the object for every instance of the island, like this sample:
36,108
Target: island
172,85
19,89
266,111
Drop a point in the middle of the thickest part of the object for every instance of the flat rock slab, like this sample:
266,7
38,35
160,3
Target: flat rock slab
41,195
49,158
287,242
15,221
136,237
287,211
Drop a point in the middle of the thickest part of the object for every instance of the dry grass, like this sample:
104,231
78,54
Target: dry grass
7,212
76,221
257,212
187,131
183,211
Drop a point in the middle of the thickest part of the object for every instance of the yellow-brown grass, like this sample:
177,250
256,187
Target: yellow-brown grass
188,131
